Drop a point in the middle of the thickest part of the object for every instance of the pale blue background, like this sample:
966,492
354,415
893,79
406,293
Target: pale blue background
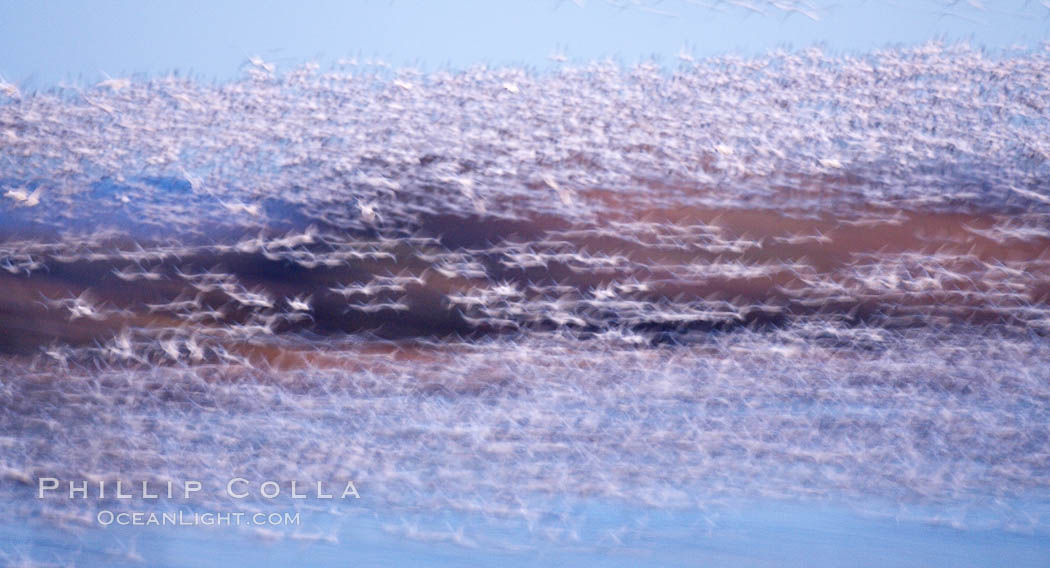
43,43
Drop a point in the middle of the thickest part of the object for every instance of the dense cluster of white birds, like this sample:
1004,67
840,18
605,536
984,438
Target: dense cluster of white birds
509,429
794,275
349,146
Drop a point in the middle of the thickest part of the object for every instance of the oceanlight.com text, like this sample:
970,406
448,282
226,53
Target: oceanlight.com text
193,519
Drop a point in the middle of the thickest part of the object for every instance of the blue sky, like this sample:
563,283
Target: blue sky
46,42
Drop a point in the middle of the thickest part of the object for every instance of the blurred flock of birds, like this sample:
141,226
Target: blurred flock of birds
796,275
